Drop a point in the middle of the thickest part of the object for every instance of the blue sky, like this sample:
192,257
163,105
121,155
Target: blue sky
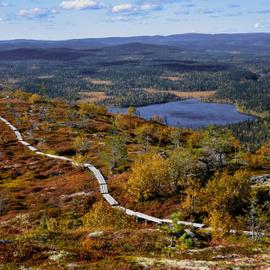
65,19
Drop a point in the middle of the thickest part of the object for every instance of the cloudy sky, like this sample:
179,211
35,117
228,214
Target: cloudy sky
64,19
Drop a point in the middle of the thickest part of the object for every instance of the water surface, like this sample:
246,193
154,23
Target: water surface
191,113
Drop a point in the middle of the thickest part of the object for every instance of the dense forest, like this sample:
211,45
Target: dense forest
137,74
252,133
242,78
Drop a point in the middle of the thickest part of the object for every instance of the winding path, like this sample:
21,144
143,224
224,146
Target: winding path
103,188
105,192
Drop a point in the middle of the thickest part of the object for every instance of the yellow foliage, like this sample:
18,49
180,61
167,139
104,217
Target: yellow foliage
94,244
13,183
149,177
192,201
145,134
80,159
21,181
91,109
221,224
263,155
123,122
132,111
21,95
3,139
81,143
35,99
227,200
195,138
102,215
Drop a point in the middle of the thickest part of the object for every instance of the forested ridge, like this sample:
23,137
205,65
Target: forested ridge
141,74
132,69
250,96
252,133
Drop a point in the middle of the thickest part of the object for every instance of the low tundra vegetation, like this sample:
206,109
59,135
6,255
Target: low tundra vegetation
53,217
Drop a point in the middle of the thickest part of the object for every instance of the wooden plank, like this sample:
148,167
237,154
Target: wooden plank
25,143
110,199
12,127
98,175
4,120
195,225
18,135
58,157
40,153
186,223
88,165
149,218
131,213
32,148
103,189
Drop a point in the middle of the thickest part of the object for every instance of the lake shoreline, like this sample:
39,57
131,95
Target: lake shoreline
191,113
240,109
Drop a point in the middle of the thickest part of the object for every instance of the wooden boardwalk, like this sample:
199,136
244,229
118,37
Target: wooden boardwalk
104,188
101,181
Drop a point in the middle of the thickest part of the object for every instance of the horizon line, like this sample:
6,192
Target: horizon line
134,36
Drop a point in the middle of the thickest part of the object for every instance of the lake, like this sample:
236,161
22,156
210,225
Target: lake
191,113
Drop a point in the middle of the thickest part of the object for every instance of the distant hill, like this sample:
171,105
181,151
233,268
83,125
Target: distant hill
249,42
67,54
58,54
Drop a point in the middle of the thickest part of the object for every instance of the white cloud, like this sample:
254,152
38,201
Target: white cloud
257,25
81,4
148,7
133,8
36,13
124,8
54,11
262,25
30,12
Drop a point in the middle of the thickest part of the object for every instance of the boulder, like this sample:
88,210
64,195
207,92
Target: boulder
260,179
